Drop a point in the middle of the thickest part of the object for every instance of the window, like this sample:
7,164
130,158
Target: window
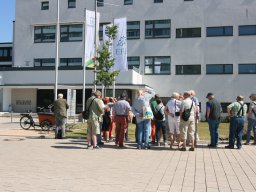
247,69
219,31
101,30
224,106
44,34
71,3
100,3
188,0
70,62
219,69
247,30
188,32
5,54
158,1
45,5
158,65
133,30
157,28
71,32
133,62
128,2
188,69
47,62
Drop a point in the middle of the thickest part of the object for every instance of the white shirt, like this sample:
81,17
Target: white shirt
186,104
171,105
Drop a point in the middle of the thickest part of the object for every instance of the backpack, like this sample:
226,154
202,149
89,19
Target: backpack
86,112
186,113
158,115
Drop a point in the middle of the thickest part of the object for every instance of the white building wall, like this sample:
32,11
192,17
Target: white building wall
205,50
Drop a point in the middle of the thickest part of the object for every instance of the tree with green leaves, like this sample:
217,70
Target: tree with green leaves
106,61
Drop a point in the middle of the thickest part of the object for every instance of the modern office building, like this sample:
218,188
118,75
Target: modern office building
177,45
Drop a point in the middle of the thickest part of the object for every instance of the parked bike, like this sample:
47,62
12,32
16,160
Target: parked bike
45,116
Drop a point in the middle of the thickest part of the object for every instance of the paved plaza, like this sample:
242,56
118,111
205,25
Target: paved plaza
39,164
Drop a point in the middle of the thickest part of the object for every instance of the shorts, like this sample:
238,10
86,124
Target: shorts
93,127
187,127
174,124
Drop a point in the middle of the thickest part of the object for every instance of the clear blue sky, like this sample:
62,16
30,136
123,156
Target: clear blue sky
7,16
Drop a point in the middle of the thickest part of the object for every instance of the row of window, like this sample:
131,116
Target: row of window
158,65
153,29
5,54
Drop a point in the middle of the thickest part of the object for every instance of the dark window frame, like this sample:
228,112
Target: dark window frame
42,35
155,65
45,5
128,2
43,60
176,69
100,3
246,34
71,4
131,59
223,68
181,34
101,30
224,31
154,30
135,31
69,34
6,55
67,61
247,64
158,1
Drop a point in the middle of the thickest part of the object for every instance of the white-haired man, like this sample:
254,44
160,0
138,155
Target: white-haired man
173,111
60,112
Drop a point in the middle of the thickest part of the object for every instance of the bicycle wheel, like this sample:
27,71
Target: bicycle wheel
46,125
25,122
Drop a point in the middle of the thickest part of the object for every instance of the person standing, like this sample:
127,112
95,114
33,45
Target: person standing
187,126
213,111
60,112
122,113
251,116
95,106
236,112
173,112
153,105
143,125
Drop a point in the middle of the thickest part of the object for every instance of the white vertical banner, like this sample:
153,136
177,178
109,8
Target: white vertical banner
120,45
90,37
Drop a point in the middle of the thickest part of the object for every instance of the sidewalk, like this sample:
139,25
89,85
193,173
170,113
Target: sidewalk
35,164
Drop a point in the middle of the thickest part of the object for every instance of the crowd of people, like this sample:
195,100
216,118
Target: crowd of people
152,118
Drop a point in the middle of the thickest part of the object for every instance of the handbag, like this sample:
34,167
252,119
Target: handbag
176,113
147,112
186,113
86,112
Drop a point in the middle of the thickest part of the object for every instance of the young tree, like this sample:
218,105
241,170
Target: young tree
106,61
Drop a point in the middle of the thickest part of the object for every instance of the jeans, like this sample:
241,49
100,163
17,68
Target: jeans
251,126
214,131
159,125
236,131
60,125
143,127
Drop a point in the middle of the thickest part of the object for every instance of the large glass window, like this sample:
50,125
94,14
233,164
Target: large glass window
100,3
158,28
44,34
71,62
71,32
219,69
45,5
133,62
247,68
247,30
47,62
5,54
188,32
188,69
133,30
158,65
71,3
128,2
219,31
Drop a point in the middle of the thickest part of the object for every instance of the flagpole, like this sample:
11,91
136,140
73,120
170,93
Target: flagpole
84,66
57,51
95,46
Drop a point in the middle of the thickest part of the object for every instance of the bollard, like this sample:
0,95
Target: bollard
11,115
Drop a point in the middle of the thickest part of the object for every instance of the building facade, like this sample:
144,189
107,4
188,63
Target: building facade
177,45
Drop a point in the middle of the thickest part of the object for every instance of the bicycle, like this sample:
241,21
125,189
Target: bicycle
46,119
